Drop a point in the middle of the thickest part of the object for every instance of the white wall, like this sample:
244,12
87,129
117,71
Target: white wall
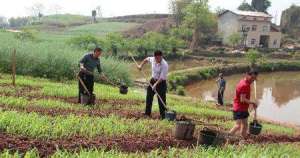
227,25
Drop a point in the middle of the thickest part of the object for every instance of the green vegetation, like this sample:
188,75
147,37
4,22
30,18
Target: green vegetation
51,48
234,39
252,56
256,5
200,20
33,125
274,150
100,28
65,20
53,59
37,126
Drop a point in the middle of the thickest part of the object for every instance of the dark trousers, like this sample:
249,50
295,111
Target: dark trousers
88,80
161,90
220,97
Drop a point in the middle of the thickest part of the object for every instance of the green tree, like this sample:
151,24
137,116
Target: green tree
175,43
256,5
261,5
152,41
182,32
253,56
200,19
18,22
115,43
3,22
177,9
86,42
234,39
245,6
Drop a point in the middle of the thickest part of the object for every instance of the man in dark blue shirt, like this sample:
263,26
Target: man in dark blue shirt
221,88
88,63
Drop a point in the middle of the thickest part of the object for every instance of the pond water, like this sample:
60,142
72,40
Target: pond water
278,94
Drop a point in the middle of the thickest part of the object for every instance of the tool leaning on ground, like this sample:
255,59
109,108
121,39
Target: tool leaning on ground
255,128
91,98
86,99
169,114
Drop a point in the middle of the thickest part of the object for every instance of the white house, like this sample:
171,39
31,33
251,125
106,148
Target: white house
256,28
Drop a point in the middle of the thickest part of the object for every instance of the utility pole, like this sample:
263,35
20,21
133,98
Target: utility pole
13,67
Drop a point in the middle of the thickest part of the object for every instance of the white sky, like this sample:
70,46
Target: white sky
13,8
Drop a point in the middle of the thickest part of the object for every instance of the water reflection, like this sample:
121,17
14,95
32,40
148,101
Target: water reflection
278,94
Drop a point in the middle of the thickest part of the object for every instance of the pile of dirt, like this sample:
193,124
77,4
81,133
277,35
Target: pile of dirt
161,25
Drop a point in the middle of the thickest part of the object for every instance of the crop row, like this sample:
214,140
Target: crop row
259,151
37,126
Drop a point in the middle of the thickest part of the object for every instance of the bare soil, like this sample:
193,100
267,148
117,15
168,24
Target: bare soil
126,113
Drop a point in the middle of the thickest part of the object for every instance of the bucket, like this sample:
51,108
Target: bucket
170,115
207,136
184,130
255,128
87,100
123,89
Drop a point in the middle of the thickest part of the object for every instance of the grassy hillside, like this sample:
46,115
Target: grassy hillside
101,28
44,115
65,20
68,24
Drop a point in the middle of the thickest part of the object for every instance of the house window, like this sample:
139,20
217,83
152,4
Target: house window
254,27
244,27
275,42
253,41
265,29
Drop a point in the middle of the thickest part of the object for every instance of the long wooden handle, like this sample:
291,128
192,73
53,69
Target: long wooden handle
155,91
255,96
83,85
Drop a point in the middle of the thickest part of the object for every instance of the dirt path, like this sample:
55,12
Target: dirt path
125,143
130,114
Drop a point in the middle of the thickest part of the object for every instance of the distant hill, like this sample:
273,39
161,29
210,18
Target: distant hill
161,25
140,18
64,20
131,26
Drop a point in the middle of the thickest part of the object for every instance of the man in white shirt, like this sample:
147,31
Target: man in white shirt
158,82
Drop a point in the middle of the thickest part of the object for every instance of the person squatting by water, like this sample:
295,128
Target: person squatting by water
221,82
159,68
88,63
241,103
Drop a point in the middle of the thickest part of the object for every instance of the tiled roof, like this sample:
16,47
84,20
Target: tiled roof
248,13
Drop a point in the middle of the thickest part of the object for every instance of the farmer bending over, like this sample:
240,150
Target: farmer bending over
242,102
221,88
88,63
158,82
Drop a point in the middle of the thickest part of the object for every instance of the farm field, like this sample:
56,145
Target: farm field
41,118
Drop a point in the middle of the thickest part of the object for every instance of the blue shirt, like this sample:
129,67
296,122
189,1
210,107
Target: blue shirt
90,63
222,83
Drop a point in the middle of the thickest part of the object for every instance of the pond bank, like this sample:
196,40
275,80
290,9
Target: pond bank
178,79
